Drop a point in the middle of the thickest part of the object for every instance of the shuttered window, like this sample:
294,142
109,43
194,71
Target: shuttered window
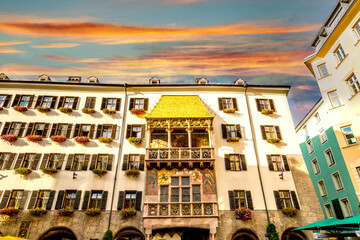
268,132
278,163
14,128
108,131
63,129
6,160
139,103
38,129
69,102
46,101
240,199
265,104
231,131
54,161
28,161
23,100
285,199
90,102
95,199
69,199
43,198
130,199
80,162
111,104
84,130
135,131
235,162
15,198
102,161
227,103
5,100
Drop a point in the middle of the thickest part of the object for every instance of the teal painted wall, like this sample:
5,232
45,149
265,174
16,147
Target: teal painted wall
326,171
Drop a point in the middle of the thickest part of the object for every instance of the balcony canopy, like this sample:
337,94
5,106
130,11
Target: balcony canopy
179,107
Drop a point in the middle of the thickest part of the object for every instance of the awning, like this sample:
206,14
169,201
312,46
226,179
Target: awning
318,225
349,222
352,223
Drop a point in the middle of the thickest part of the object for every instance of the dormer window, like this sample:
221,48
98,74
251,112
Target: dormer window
93,79
202,81
154,80
44,78
74,79
240,81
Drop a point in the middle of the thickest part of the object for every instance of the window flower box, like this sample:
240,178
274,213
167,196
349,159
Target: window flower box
99,172
92,212
243,214
137,111
9,138
34,138
9,211
135,140
37,212
65,212
273,140
43,109
23,171
58,138
233,139
132,173
290,211
105,139
127,213
82,140
267,111
49,171
88,110
229,110
65,109
108,111
20,108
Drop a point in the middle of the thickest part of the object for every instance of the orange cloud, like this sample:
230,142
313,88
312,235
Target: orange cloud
10,50
57,45
306,87
11,43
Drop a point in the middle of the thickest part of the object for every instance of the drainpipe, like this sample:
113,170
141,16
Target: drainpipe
122,133
256,152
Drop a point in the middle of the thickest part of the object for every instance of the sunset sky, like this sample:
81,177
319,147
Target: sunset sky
261,41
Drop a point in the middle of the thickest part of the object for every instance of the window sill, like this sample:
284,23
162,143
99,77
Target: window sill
324,196
322,143
357,42
352,145
337,107
339,190
341,62
354,95
332,165
324,77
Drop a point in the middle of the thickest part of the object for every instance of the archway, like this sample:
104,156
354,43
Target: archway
289,235
181,234
58,233
129,234
244,234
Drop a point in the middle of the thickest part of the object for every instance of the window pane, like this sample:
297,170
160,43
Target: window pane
175,181
185,181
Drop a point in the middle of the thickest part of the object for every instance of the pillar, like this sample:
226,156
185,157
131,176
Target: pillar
209,130
169,131
189,131
148,139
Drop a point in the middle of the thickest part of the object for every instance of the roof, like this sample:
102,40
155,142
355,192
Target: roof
179,107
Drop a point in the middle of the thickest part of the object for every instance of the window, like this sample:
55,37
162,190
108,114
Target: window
323,70
42,199
85,130
310,146
102,161
196,193
4,158
28,161
340,53
349,135
285,199
317,117
329,157
227,103
70,196
70,102
345,205
15,128
130,199
134,161
323,136
337,181
315,166
23,100
322,188
62,129
180,190
357,28
95,199
353,84
78,163
111,104
277,163
108,131
164,193
90,102
46,101
38,129
235,162
306,129
270,132
265,104
135,131
329,211
15,198
240,200
4,100
139,103
54,160
334,99
231,131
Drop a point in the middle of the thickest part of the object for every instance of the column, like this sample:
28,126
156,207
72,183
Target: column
209,130
148,139
148,232
189,131
169,131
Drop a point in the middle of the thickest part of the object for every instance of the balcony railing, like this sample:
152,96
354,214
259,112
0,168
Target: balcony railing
179,154
194,209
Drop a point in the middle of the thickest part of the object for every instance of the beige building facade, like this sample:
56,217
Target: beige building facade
184,156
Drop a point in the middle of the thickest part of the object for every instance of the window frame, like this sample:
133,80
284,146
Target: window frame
320,72
5,100
331,98
100,160
269,133
17,199
44,199
130,130
322,133
4,160
315,166
346,207
345,134
322,188
356,29
17,129
171,196
90,102
328,210
234,161
355,83
283,199
69,197
269,105
28,160
137,160
328,160
131,202
340,53
339,185
310,147
95,202
279,162
78,162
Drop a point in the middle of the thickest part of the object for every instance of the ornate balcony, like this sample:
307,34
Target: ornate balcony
171,210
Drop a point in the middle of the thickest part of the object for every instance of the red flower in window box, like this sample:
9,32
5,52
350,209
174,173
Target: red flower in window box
229,110
93,212
267,111
273,140
127,213
65,109
9,211
105,139
132,173
82,140
37,212
65,212
88,110
34,138
137,111
43,109
23,171
58,138
108,111
290,211
99,172
243,214
135,140
49,170
9,137
20,108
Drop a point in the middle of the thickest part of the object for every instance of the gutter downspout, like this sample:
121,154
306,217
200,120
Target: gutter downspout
122,132
256,153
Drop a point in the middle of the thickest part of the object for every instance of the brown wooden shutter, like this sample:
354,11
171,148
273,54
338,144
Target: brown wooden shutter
22,129
19,160
53,129
118,102
53,102
125,162
263,133
146,104
337,208
33,198
128,131
44,161
103,104
36,161
93,161
16,100
30,129
6,128
286,165
258,105
278,134
227,161
99,130
68,130
220,104
51,200
121,200
77,130
39,101
62,158
243,162
77,199
277,200
249,200
61,102
7,101
86,162
295,200
138,200
238,130
60,199
10,161
76,103
69,161
110,161
235,103
31,101
132,103
272,106
5,199
143,131
223,128
46,130
86,200
142,162
270,165
113,131
104,200
231,200
23,199
92,131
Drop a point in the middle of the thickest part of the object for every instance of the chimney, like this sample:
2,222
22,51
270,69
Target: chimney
3,77
74,79
44,78
93,79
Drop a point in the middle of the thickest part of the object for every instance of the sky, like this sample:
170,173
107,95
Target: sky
260,41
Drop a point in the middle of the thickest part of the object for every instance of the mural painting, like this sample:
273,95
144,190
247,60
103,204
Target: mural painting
151,182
